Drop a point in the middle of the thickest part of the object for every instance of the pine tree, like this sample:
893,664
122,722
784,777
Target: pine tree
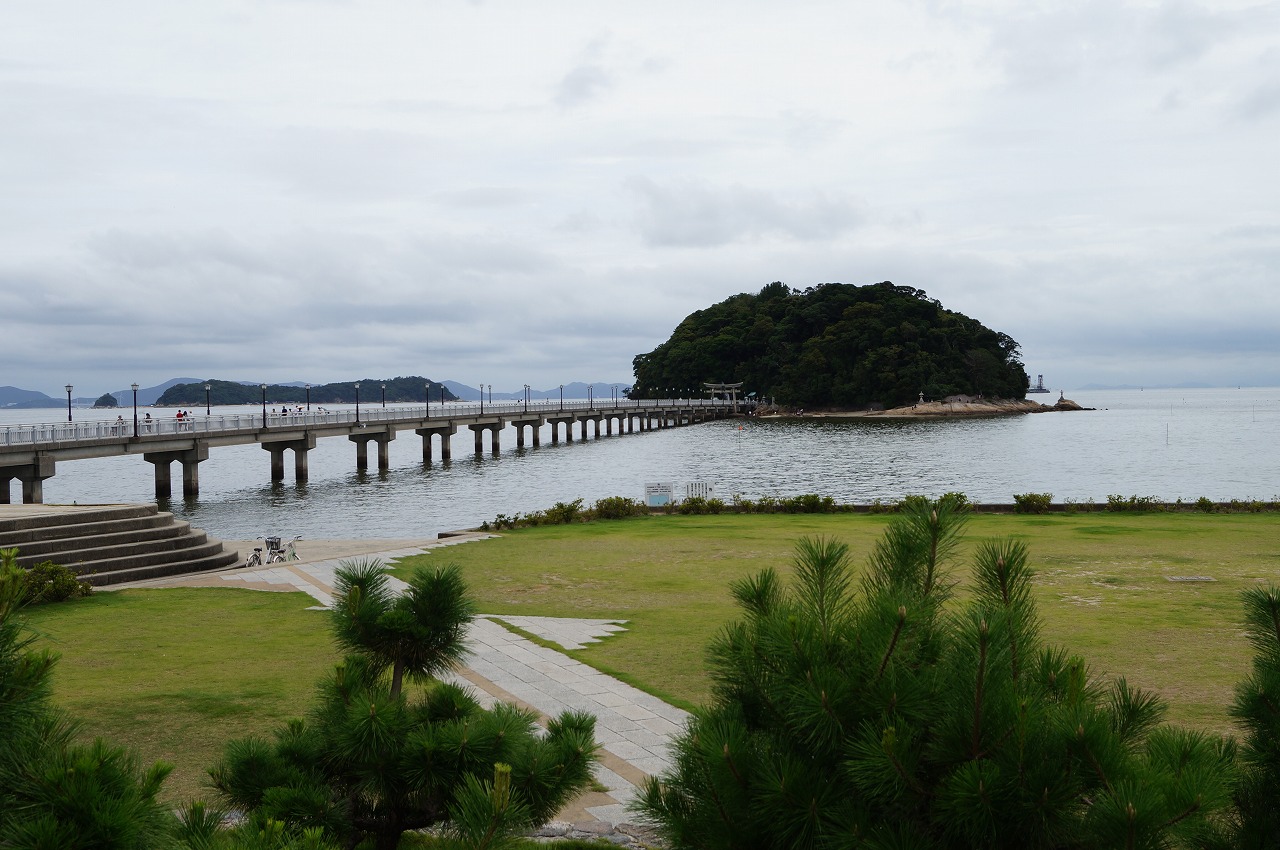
880,714
374,758
54,792
1257,708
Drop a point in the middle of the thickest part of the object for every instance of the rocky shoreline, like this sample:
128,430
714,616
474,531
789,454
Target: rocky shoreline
956,406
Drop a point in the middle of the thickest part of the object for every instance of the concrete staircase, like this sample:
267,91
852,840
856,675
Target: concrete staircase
109,544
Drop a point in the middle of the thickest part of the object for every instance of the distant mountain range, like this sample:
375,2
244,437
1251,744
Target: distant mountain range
577,389
13,397
17,398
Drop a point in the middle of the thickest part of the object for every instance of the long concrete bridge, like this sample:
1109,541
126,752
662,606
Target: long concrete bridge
30,453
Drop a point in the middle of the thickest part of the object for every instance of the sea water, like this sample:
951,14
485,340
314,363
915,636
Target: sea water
1171,444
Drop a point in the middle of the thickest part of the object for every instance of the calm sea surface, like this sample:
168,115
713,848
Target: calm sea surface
1219,443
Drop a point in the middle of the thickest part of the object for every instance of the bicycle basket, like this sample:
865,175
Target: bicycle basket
273,542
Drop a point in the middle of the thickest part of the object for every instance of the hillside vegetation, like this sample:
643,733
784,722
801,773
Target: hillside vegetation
411,389
835,345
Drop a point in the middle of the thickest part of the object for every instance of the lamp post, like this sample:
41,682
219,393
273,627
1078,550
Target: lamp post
135,410
591,402
482,399
308,398
526,398
264,405
207,387
357,404
491,395
384,395
562,398
69,388
428,398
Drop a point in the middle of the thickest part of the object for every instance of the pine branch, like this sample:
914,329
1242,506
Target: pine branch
888,653
982,675
1097,766
1190,810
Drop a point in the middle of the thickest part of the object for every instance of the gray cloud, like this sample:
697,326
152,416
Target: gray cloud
582,84
500,191
691,214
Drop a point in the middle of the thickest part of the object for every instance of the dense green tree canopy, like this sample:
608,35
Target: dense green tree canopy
411,389
835,345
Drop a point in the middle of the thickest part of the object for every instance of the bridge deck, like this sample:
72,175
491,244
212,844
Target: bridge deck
29,452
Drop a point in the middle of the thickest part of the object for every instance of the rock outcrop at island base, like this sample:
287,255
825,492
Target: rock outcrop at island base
967,406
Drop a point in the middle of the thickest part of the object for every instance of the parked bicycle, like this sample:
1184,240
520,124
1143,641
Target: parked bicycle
275,553
255,559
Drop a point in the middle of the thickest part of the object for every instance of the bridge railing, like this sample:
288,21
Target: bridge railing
233,423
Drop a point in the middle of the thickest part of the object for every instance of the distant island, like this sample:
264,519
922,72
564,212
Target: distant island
398,390
835,346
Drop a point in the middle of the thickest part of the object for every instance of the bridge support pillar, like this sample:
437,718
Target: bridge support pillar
190,460
494,430
32,476
445,432
299,449
382,438
535,425
556,422
277,461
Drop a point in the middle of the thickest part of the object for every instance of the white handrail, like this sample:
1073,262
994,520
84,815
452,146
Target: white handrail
233,423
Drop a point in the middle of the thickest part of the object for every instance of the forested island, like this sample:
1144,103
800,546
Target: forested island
835,345
410,389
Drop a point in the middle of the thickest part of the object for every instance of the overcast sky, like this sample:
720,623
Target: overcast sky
518,192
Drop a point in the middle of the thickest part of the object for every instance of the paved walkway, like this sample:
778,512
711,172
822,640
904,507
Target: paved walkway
634,729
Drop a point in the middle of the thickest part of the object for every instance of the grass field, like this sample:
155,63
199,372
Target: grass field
174,673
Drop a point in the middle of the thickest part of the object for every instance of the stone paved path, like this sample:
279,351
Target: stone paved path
634,729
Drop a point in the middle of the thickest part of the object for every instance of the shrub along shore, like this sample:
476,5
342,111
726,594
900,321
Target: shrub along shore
622,507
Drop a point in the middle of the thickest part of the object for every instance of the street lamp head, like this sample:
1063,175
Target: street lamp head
357,386
207,387
264,387
70,388
135,387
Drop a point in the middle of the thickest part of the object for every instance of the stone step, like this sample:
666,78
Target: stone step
90,550
15,520
220,561
107,544
96,535
176,559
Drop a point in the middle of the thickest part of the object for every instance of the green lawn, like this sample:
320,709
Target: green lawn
174,673
1101,587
